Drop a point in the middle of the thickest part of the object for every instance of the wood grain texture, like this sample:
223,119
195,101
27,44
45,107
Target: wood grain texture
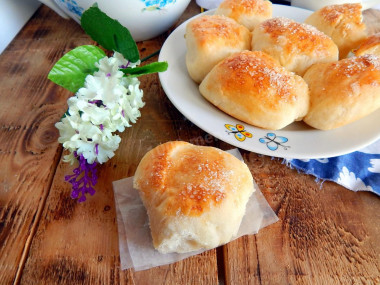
326,235
29,150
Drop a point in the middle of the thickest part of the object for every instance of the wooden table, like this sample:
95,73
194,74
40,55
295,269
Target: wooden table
326,234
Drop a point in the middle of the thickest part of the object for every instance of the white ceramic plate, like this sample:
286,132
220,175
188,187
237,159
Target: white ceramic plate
295,141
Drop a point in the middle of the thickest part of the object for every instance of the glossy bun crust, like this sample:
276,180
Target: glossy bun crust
371,45
343,92
294,45
343,23
195,196
248,13
209,39
252,87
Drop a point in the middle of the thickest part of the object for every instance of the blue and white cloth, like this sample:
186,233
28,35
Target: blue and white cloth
357,171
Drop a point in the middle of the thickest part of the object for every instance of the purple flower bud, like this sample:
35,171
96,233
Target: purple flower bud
83,179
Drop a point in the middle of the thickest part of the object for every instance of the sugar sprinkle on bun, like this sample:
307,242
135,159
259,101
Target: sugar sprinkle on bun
343,92
251,86
343,23
296,46
209,39
195,196
249,13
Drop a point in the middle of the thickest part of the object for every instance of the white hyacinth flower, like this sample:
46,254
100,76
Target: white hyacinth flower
107,103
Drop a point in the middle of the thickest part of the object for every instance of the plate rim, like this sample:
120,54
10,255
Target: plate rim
265,151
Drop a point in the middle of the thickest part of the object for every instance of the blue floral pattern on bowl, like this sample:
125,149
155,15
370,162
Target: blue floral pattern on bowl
73,7
152,5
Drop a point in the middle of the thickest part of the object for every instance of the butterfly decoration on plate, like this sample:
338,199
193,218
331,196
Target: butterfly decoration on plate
273,142
239,131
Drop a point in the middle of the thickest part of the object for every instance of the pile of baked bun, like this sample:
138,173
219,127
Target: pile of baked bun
271,71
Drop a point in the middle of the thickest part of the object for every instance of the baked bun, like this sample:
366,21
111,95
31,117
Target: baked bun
371,45
343,92
296,46
209,39
195,196
343,23
252,87
249,13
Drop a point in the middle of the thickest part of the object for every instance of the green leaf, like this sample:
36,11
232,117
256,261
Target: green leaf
109,33
71,70
146,69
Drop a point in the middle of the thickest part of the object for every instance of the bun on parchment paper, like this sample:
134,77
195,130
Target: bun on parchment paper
343,92
248,13
343,23
211,38
294,45
252,87
195,196
370,45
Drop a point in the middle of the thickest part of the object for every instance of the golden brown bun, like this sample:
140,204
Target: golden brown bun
295,46
343,92
195,196
371,45
251,86
343,23
249,13
209,39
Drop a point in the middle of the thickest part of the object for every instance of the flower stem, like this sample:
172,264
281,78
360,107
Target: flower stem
151,55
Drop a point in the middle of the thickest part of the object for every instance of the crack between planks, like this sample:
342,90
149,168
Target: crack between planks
36,219
220,265
258,262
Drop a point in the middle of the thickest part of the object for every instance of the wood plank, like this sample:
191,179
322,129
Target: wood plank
324,236
77,243
29,150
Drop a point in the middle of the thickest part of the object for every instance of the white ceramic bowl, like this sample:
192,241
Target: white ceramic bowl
145,19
